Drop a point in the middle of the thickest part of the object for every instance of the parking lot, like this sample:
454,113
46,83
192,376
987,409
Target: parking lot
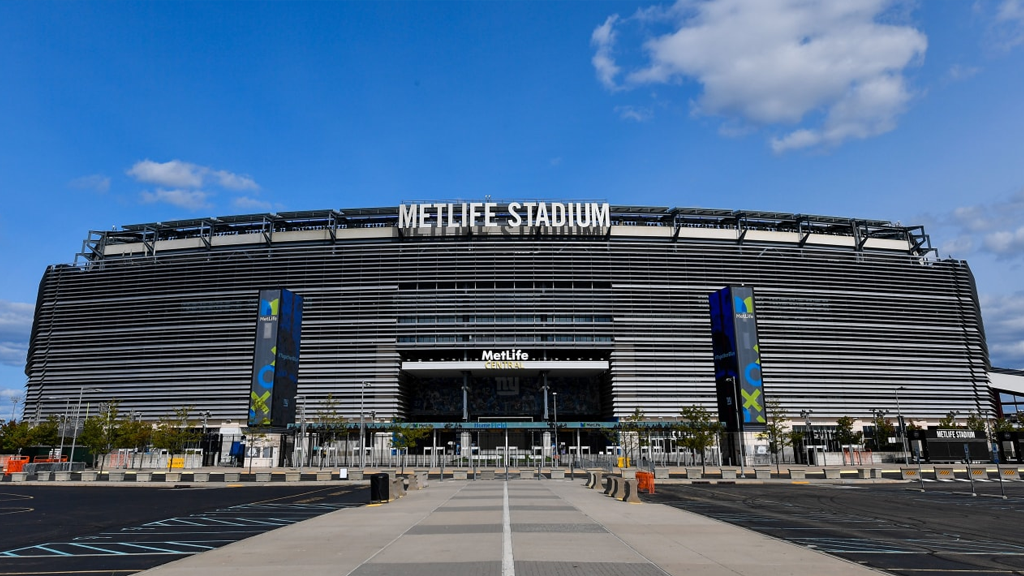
896,527
122,530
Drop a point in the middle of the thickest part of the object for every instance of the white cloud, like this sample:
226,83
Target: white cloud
188,199
603,41
635,113
246,203
957,72
994,228
1004,328
94,182
1009,20
833,65
175,173
181,175
15,330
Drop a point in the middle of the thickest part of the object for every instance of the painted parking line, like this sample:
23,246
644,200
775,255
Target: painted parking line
67,549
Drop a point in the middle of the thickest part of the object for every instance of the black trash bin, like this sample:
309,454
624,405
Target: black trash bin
380,487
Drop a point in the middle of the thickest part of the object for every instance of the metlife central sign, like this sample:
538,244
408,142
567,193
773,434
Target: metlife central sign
488,215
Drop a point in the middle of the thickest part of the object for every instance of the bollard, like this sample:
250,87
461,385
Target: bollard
620,488
631,491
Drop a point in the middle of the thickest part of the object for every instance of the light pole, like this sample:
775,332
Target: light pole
554,396
362,450
806,415
903,426
302,430
203,442
544,387
739,424
78,411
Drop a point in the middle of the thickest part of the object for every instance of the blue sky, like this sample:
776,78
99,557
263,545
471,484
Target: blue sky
124,113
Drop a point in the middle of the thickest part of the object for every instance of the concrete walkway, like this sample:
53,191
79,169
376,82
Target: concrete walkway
519,527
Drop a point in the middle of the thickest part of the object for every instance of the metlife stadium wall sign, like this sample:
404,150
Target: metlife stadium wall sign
488,215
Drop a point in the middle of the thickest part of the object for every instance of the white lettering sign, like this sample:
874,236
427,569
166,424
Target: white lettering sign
474,214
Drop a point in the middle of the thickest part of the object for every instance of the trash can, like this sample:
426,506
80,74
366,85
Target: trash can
380,487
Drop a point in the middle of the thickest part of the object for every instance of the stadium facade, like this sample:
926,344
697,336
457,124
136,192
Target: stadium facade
477,311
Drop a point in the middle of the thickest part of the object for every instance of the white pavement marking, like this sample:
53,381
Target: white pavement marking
508,566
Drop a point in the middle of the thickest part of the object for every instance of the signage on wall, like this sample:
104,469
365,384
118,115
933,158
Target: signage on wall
486,214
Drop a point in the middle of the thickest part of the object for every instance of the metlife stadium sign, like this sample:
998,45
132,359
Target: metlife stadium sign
489,215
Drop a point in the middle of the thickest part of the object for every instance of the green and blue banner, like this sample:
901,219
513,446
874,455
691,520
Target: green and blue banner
737,358
276,359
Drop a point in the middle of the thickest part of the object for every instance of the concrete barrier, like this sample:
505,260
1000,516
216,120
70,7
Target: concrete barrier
200,476
619,489
631,491
661,473
459,474
90,475
728,473
763,473
628,473
172,477
232,476
609,483
797,473
944,473
423,478
1010,473
115,476
598,479
143,475
979,473
292,475
323,475
558,473
44,476
694,473
909,473
19,476
397,487
263,476
61,476
864,473
356,474
833,473
487,474
526,474
414,483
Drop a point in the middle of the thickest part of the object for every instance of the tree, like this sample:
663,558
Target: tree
884,429
99,431
15,436
46,433
699,430
1002,425
630,437
949,421
405,436
976,422
775,430
175,433
845,434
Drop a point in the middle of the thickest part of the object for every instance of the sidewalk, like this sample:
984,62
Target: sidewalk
519,527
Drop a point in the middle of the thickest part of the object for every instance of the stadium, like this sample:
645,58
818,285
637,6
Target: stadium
484,315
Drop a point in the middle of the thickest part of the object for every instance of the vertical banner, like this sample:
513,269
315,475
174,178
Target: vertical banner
276,359
737,358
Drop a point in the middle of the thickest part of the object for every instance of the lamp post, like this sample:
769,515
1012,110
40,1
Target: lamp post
302,430
739,424
556,457
903,426
806,415
362,450
78,411
203,442
544,387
